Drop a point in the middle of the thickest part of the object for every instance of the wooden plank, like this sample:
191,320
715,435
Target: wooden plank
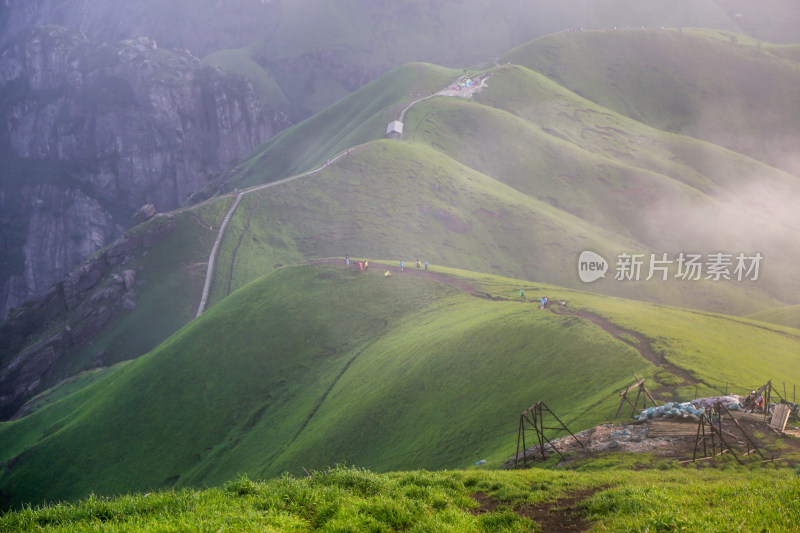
780,416
751,417
672,428
632,387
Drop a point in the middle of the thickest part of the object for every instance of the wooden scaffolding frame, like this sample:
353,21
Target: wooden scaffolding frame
708,431
534,417
641,393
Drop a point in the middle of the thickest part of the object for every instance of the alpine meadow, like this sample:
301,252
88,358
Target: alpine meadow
480,283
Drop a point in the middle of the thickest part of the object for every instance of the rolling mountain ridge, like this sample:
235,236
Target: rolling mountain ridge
300,361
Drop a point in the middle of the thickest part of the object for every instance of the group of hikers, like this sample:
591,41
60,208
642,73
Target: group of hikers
542,301
364,265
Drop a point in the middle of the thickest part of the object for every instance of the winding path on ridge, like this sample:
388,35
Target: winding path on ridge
640,343
447,91
632,338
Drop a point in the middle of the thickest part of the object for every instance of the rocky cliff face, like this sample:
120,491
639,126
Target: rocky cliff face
202,26
90,132
90,296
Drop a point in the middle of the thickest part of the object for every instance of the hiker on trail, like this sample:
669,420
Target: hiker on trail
366,265
347,260
387,274
426,266
361,265
419,264
522,294
401,267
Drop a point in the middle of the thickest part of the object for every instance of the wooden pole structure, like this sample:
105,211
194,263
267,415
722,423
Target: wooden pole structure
767,400
724,446
750,442
536,421
641,392
718,432
701,428
645,390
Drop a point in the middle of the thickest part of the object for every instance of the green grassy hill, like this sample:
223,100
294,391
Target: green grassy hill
308,56
516,182
321,364
359,118
313,53
788,316
647,189
314,364
725,88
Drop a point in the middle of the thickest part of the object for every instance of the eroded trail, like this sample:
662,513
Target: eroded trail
633,339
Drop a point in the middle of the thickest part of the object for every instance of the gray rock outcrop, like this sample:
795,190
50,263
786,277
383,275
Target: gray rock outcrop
89,133
90,296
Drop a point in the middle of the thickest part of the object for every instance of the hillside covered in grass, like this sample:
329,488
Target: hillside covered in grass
300,362
322,364
725,88
309,57
597,495
788,316
633,186
516,181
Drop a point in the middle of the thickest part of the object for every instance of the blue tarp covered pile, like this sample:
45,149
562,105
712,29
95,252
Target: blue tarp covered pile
671,410
693,409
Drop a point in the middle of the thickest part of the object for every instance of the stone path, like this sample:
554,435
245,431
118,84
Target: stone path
449,91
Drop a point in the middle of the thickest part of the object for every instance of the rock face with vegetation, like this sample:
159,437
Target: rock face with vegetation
92,132
92,294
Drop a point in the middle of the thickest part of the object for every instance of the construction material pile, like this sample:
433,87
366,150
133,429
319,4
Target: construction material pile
731,402
671,410
693,409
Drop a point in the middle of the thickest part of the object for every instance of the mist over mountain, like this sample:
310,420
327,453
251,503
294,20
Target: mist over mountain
233,324
63,93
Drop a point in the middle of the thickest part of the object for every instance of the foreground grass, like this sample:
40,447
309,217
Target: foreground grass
352,499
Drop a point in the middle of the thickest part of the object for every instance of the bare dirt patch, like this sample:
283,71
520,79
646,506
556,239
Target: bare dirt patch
560,516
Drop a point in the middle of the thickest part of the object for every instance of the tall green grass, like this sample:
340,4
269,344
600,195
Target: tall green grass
352,499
